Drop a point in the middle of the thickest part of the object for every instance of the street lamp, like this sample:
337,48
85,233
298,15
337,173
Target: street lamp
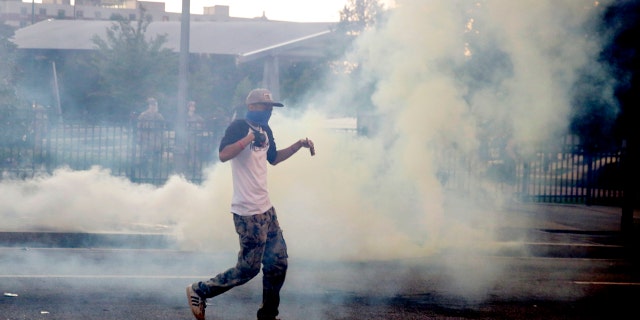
183,86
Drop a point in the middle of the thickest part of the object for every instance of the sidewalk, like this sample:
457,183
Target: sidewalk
572,231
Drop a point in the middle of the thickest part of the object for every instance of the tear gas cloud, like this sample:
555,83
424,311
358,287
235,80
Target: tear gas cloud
376,197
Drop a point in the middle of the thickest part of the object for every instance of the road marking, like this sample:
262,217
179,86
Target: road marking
572,244
607,283
98,276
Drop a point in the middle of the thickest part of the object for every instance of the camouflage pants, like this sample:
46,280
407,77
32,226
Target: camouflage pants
261,242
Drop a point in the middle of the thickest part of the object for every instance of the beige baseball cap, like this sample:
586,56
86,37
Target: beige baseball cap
262,96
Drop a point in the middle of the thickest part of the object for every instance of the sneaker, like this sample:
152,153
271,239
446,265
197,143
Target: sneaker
196,303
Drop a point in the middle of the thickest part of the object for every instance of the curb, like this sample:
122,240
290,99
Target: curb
565,250
563,243
86,240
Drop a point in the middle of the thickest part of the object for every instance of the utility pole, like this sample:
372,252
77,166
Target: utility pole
183,83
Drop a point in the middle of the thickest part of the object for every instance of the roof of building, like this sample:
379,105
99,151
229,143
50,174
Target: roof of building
244,39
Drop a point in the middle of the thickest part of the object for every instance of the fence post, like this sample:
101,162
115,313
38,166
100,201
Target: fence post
629,174
588,157
526,171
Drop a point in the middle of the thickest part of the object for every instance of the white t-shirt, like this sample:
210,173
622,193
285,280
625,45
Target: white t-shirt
249,171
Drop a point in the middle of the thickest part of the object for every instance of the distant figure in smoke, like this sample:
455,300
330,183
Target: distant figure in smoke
194,120
249,144
195,124
39,131
150,131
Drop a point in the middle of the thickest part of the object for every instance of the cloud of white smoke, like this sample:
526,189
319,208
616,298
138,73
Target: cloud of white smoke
376,197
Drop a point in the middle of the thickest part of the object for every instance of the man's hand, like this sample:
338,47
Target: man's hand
258,138
308,144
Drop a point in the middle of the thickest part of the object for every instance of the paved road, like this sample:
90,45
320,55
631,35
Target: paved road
572,267
149,284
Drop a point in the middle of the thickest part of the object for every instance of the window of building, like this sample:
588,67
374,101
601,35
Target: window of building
61,14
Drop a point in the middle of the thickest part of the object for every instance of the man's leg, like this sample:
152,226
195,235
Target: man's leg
252,232
274,269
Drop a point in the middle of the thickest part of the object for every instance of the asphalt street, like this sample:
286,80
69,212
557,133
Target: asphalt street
149,284
565,270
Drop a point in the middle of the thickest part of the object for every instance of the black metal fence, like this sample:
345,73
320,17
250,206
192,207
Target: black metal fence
575,177
568,175
147,153
144,152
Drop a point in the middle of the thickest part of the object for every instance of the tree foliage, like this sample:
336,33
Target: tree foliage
621,26
300,78
7,67
212,81
132,67
356,17
13,121
360,15
596,119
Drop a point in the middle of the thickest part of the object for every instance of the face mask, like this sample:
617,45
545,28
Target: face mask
259,117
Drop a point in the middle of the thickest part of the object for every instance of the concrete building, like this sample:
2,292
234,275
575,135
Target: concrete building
271,42
61,26
21,14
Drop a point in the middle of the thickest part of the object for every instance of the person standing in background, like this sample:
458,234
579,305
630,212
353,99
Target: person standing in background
195,126
194,120
150,138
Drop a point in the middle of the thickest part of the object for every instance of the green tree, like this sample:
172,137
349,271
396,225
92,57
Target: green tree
360,15
299,77
356,17
13,113
302,77
7,67
132,67
212,80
